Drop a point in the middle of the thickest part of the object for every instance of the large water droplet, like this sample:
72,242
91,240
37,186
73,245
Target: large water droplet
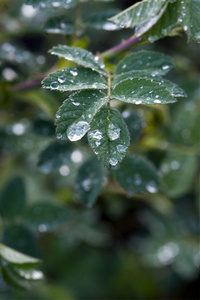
96,134
151,187
113,131
77,130
54,85
113,161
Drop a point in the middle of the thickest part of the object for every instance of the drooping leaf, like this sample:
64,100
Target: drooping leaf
142,91
148,62
54,156
75,114
109,137
13,197
135,123
171,87
44,4
89,181
44,217
136,175
71,79
100,20
59,25
14,257
80,56
142,15
177,173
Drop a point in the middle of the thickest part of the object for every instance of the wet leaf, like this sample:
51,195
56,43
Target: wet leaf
71,79
109,137
142,91
89,181
13,197
135,123
74,116
142,15
148,62
177,173
136,175
80,56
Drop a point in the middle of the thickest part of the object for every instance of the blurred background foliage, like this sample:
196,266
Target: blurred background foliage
127,246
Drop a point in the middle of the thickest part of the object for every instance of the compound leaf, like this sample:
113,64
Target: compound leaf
75,114
80,56
89,181
136,175
142,91
71,79
142,15
109,137
148,62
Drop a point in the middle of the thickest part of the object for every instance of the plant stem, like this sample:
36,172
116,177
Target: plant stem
119,48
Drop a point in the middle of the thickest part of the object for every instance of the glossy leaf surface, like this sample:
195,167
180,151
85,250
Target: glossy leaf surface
109,137
75,114
80,56
71,79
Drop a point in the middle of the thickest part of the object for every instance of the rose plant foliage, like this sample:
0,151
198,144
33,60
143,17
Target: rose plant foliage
100,102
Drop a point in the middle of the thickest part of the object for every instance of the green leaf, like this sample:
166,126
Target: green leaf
100,20
12,279
182,132
136,175
59,25
89,181
80,56
177,173
15,257
54,156
142,91
109,137
44,217
142,15
75,114
13,197
135,123
150,62
44,4
71,79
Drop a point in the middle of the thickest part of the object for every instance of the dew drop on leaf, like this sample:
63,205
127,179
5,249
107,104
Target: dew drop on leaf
151,187
61,79
74,73
113,131
113,161
121,148
76,131
54,85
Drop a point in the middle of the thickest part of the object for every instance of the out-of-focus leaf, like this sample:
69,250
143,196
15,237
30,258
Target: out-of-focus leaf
182,132
44,4
89,181
135,123
11,278
100,20
43,127
177,173
74,116
14,257
13,197
109,137
150,62
71,79
44,217
136,175
142,91
1,227
54,156
142,15
59,25
80,56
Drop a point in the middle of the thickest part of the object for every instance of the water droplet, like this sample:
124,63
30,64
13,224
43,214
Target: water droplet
113,161
77,130
54,85
74,73
61,79
175,165
138,13
157,96
124,66
59,136
157,101
113,131
121,148
151,187
185,27
165,67
98,143
76,103
64,170
58,116
138,102
56,4
86,184
95,134
96,58
137,179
